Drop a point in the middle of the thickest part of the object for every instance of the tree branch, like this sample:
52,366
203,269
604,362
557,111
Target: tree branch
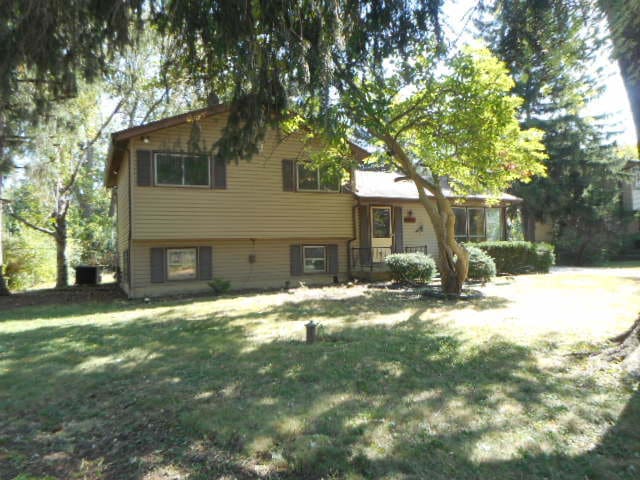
32,225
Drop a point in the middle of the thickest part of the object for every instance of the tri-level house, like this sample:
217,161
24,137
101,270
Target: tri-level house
184,218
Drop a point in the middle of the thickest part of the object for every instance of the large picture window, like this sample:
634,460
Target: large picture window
181,263
314,259
176,169
316,179
476,224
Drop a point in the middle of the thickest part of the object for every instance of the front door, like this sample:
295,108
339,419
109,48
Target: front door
381,239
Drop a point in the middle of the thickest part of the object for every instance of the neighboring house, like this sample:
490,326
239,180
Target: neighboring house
183,219
631,201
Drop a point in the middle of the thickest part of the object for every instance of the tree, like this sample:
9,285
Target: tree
62,148
3,286
433,120
623,18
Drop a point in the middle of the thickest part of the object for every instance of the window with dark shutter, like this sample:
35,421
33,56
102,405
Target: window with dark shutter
219,180
295,258
205,263
332,259
289,175
143,168
398,234
157,265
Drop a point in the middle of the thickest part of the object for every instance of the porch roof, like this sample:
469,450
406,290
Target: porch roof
384,185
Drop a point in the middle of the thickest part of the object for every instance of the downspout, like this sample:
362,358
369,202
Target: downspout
130,219
353,238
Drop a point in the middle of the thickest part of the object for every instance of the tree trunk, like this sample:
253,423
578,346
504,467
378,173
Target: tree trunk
453,258
628,350
528,225
62,276
4,291
624,26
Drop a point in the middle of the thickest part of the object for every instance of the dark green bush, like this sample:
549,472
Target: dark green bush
520,257
481,265
411,267
219,286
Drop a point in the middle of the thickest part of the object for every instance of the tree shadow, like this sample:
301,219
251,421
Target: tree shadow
202,396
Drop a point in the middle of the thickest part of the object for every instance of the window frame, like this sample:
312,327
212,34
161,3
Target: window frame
304,257
166,259
182,156
382,207
318,181
476,238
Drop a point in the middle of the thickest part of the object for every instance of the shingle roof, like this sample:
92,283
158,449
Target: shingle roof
384,185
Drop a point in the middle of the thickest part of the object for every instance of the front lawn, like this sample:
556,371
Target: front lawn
399,387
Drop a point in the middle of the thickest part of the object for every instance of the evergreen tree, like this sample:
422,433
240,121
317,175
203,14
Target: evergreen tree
549,47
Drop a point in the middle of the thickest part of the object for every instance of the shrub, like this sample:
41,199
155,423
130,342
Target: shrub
481,266
411,267
519,257
219,286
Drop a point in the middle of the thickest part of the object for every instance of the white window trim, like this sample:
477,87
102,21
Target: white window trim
190,279
318,189
304,257
181,155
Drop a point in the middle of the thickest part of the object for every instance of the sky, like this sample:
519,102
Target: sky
612,104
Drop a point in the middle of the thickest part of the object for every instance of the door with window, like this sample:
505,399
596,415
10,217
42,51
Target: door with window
381,237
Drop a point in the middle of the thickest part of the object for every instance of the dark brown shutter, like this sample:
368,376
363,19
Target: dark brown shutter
332,259
289,175
158,263
295,255
144,168
398,239
219,180
365,234
205,263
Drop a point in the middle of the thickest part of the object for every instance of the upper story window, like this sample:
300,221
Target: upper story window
178,169
316,179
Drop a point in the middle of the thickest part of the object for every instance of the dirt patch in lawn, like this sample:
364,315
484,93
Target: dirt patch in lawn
59,296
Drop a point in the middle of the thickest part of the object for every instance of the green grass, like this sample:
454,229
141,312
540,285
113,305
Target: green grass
399,387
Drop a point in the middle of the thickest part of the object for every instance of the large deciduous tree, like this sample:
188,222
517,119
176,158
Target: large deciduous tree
433,119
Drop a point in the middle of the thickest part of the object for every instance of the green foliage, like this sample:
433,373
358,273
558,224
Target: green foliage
411,267
481,265
30,260
519,256
219,286
550,48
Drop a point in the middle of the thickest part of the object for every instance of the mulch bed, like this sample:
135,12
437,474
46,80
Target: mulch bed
58,296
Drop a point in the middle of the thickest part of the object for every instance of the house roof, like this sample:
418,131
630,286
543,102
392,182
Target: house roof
371,185
120,138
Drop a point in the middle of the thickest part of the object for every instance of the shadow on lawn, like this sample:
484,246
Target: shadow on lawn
161,394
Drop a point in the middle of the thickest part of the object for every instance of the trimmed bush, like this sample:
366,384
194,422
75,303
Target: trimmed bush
219,286
519,257
411,267
481,265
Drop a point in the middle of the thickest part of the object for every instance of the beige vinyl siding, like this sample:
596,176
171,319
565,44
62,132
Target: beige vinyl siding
253,205
122,208
231,262
421,232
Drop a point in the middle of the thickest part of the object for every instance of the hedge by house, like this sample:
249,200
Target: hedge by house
481,265
411,267
520,257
